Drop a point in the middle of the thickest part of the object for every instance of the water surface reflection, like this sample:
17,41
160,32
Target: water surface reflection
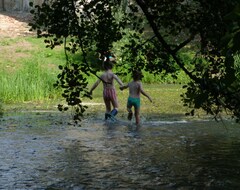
38,151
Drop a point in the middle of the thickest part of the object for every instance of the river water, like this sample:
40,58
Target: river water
44,151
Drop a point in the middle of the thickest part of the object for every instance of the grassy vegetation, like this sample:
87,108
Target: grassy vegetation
28,71
166,100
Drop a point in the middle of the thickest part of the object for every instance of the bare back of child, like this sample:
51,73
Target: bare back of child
135,90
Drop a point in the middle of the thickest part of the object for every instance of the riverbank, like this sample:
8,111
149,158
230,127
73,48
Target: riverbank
27,78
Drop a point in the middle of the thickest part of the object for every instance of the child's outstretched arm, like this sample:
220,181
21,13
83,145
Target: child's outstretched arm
123,87
145,94
118,80
94,86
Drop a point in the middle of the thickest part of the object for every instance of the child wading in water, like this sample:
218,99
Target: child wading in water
135,90
109,91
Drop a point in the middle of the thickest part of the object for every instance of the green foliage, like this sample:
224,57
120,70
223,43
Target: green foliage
232,37
29,75
29,83
96,27
74,84
237,65
166,98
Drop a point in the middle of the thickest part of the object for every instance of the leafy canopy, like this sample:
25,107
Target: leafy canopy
157,34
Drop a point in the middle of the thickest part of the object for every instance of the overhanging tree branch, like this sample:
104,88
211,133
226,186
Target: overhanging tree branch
183,44
154,27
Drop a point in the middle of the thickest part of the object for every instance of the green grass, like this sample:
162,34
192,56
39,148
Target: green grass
166,101
28,71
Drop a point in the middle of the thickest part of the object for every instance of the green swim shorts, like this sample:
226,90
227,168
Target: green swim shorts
135,102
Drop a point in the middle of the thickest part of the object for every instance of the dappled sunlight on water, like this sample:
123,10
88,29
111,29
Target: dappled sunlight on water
43,151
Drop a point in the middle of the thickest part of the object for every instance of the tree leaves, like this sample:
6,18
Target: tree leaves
210,28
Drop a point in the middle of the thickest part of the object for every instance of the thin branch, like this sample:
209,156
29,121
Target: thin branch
82,48
183,44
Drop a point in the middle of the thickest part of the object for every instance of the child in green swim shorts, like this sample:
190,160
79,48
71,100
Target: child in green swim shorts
135,90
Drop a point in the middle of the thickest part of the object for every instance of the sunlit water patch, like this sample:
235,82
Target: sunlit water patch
43,151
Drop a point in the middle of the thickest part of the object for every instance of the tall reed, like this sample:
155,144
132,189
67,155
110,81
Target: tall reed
30,83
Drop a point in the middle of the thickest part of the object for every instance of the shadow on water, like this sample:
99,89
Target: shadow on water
42,151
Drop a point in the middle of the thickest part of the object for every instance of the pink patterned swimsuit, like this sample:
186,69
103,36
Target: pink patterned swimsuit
109,94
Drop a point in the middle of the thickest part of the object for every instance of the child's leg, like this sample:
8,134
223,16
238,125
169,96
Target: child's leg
137,115
115,103
114,112
130,113
107,105
129,109
115,106
110,97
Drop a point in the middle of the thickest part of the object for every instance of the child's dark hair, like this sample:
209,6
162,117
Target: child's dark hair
137,75
107,64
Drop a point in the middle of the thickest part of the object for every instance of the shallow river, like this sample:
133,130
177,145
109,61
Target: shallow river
42,151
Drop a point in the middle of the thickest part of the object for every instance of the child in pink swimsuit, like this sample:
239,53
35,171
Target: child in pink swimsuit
109,91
